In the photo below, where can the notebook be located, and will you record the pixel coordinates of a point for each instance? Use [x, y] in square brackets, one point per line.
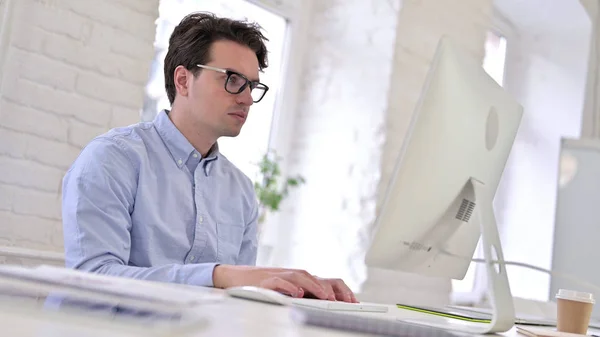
[477, 315]
[483, 315]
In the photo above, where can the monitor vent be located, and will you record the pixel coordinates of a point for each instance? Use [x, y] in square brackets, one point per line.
[465, 211]
[416, 246]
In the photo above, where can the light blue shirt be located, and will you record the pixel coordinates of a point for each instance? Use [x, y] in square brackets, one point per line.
[141, 202]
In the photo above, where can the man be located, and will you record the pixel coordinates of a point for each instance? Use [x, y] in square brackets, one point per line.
[157, 201]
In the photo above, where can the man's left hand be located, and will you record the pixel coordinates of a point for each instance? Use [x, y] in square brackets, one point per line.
[339, 289]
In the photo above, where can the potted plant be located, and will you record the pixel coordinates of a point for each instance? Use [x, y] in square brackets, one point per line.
[269, 187]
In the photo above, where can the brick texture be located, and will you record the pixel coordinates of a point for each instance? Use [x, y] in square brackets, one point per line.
[337, 137]
[420, 26]
[363, 77]
[74, 69]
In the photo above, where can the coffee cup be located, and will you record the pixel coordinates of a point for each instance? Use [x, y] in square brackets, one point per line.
[574, 311]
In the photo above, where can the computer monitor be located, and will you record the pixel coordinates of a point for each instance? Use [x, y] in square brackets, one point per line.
[439, 200]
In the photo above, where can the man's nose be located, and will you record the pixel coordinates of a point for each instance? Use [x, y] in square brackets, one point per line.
[245, 97]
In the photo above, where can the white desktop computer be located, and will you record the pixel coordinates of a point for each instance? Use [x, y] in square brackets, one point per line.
[439, 200]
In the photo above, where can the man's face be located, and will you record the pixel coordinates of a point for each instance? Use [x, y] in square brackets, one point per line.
[212, 108]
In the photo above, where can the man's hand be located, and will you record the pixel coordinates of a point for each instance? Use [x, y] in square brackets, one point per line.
[293, 282]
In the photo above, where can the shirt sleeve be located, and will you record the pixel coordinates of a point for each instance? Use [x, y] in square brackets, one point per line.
[98, 198]
[249, 248]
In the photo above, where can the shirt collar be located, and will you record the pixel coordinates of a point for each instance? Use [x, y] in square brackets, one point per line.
[179, 147]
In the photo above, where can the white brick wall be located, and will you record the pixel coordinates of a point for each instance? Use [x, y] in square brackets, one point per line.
[74, 69]
[336, 141]
[351, 124]
[420, 25]
[550, 83]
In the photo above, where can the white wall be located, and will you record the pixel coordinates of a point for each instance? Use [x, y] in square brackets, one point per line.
[546, 72]
[420, 25]
[74, 69]
[337, 136]
[577, 212]
[364, 71]
[590, 126]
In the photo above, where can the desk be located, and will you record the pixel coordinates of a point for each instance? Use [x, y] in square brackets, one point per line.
[229, 317]
[250, 316]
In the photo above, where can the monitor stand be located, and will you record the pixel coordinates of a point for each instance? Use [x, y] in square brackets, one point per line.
[503, 314]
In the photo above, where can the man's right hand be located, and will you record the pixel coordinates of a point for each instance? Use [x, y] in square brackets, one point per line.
[293, 282]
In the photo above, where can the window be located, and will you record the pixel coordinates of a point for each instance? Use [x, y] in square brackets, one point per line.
[495, 56]
[493, 63]
[246, 149]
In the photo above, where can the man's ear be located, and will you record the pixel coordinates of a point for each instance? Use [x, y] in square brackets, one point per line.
[181, 78]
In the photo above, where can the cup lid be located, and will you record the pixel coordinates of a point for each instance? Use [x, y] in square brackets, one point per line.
[575, 296]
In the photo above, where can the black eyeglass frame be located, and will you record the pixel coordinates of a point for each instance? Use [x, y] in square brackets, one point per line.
[252, 84]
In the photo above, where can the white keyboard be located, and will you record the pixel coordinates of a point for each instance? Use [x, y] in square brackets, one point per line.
[337, 306]
[370, 324]
[271, 296]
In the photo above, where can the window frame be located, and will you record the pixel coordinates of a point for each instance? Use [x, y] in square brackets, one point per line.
[275, 239]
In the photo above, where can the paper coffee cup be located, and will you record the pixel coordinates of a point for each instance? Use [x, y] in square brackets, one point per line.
[574, 311]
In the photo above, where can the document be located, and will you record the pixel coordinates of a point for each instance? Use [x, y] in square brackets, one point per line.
[152, 292]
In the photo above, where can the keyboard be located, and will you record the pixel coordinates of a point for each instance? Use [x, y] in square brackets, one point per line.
[337, 306]
[370, 324]
[274, 297]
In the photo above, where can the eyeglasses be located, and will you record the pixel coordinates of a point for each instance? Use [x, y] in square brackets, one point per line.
[236, 83]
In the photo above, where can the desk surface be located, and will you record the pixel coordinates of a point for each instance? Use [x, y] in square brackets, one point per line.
[228, 317]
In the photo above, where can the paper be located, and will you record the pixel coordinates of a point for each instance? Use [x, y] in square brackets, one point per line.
[545, 332]
[143, 290]
[26, 293]
[152, 292]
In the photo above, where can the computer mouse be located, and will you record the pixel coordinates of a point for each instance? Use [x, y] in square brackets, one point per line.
[258, 294]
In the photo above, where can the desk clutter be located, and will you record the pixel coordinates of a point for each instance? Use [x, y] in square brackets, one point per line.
[545, 332]
[148, 308]
[574, 311]
[65, 298]
[366, 324]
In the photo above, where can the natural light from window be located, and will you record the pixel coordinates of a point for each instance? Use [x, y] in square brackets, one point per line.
[246, 149]
[495, 56]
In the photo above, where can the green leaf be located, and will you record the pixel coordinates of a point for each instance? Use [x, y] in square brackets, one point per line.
[267, 185]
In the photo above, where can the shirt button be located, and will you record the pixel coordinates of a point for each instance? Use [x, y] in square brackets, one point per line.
[191, 259]
[179, 161]
[200, 219]
[195, 155]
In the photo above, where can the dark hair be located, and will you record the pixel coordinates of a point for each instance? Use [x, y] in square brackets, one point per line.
[193, 37]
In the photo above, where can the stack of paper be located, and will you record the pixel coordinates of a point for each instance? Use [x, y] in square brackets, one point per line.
[50, 290]
[72, 281]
